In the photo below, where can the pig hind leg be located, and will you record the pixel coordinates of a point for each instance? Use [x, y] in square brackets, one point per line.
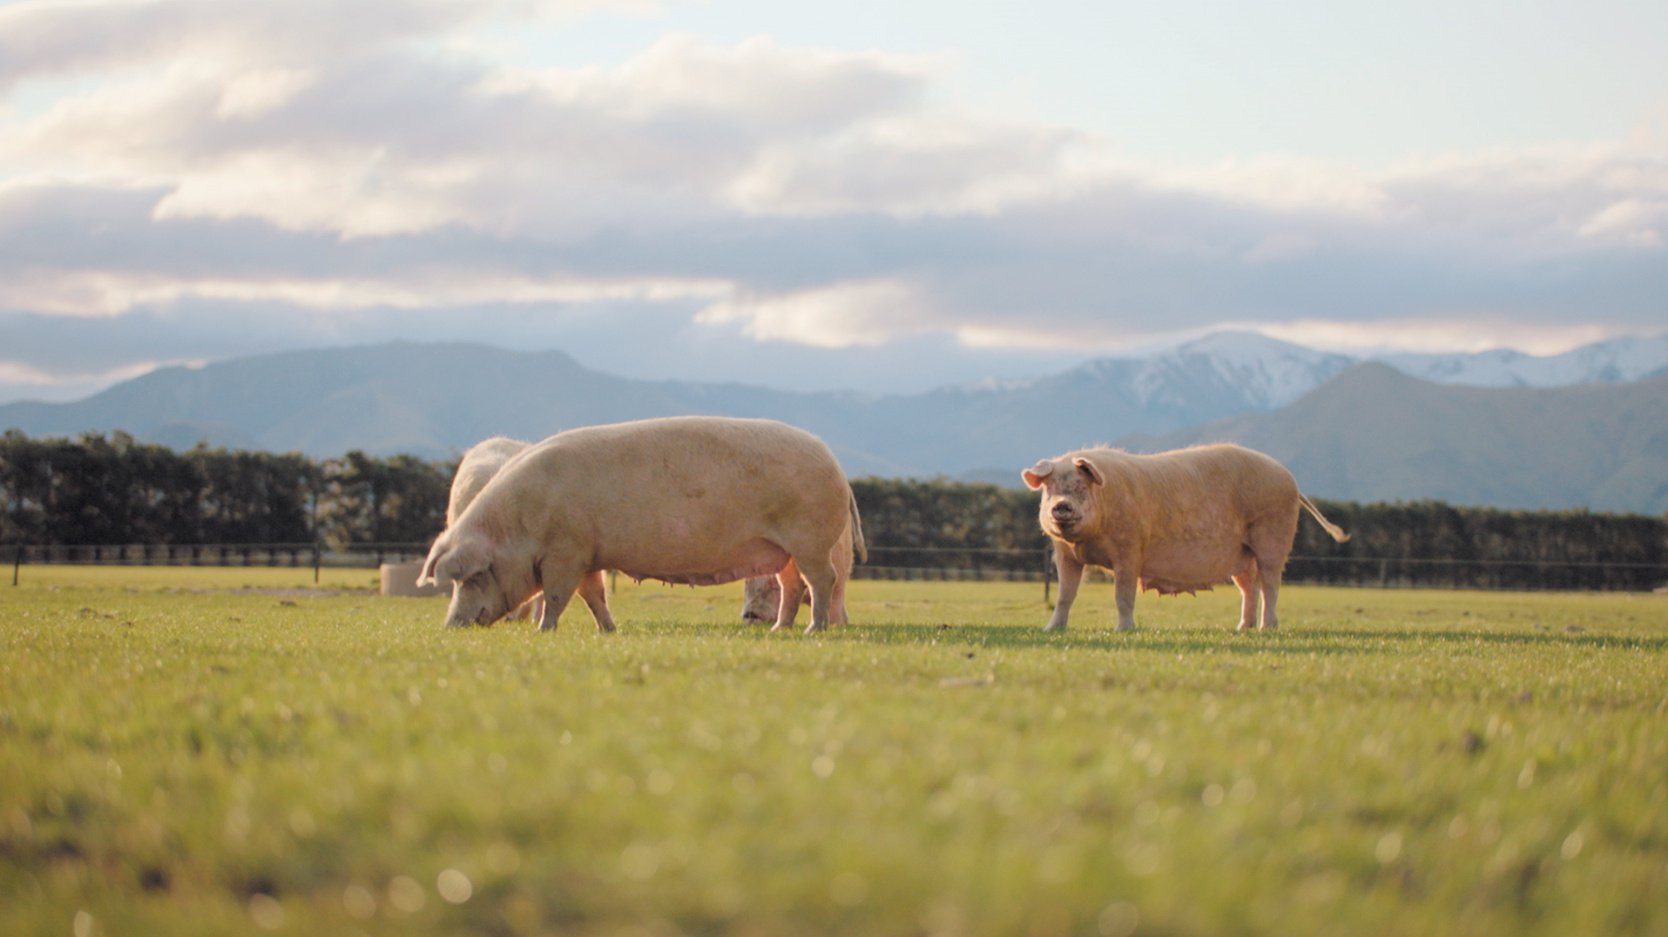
[1271, 594]
[1271, 542]
[837, 604]
[841, 558]
[806, 570]
[594, 590]
[792, 590]
[819, 573]
[1250, 587]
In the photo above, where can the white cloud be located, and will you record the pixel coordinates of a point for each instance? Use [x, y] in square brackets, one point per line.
[254, 93]
[298, 156]
[103, 294]
[1635, 221]
[346, 193]
[1463, 334]
[848, 314]
[1282, 184]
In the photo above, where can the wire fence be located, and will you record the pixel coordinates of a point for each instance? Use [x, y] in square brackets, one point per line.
[900, 563]
[314, 556]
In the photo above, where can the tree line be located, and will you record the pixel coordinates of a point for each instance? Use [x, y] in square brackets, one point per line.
[96, 489]
[110, 490]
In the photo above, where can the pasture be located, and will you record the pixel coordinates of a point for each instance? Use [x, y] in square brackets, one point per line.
[205, 752]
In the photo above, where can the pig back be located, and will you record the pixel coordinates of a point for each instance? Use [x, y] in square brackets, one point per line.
[684, 498]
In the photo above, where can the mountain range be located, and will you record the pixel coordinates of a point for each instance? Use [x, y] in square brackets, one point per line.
[1588, 429]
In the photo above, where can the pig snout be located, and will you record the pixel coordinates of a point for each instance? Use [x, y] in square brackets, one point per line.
[1064, 515]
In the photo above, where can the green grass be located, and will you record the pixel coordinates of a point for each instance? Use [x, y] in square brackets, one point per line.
[226, 751]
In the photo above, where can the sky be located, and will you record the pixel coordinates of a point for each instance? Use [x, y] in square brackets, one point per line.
[876, 196]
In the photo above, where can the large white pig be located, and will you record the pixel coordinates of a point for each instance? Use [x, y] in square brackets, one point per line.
[697, 500]
[1176, 521]
[476, 468]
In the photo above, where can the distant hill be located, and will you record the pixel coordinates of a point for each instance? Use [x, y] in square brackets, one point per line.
[435, 400]
[1375, 434]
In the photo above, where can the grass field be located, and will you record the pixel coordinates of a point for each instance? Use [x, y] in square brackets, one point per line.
[237, 751]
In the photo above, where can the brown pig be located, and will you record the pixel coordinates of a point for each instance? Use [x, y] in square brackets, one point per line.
[1176, 521]
[696, 500]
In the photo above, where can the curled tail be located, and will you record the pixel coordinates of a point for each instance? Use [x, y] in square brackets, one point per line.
[857, 541]
[1334, 530]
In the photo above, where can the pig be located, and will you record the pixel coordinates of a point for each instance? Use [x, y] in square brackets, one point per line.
[762, 595]
[696, 500]
[1176, 521]
[475, 469]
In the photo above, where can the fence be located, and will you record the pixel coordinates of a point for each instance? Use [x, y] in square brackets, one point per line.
[314, 556]
[954, 564]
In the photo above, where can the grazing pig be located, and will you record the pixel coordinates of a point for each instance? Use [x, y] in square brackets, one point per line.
[762, 595]
[476, 468]
[696, 500]
[1177, 521]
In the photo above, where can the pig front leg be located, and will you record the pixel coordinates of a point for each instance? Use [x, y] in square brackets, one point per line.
[1071, 576]
[1126, 584]
[559, 586]
[553, 605]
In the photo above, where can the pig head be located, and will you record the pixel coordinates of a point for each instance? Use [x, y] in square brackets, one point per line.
[487, 583]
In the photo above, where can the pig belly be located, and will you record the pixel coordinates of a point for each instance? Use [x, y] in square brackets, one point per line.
[1193, 566]
[754, 558]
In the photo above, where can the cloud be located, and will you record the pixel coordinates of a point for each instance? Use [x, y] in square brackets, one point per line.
[315, 175]
[47, 39]
[839, 316]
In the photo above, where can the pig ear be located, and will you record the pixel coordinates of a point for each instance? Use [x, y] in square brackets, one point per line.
[1035, 474]
[426, 576]
[1090, 471]
[453, 562]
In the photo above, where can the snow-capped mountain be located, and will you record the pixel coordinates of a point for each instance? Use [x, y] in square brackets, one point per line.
[1267, 373]
[1617, 361]
[1252, 372]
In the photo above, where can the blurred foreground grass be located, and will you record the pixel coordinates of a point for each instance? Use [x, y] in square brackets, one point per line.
[240, 751]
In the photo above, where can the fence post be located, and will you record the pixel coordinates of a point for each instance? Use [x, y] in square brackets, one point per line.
[318, 559]
[1048, 570]
[17, 561]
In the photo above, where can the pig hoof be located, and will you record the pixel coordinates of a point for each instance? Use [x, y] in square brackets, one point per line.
[1245, 626]
[1126, 627]
[813, 628]
[1053, 627]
